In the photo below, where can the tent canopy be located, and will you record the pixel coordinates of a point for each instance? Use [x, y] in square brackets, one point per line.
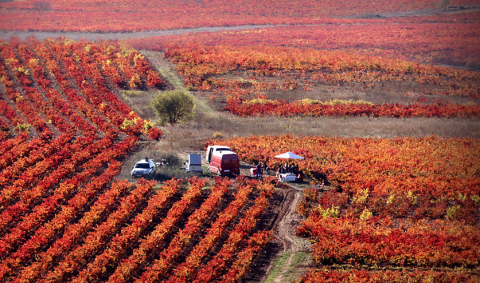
[289, 155]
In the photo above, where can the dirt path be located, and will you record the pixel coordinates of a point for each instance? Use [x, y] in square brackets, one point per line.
[110, 36]
[107, 36]
[285, 235]
[292, 258]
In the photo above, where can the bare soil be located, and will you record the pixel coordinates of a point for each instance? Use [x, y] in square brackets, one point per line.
[285, 233]
[94, 36]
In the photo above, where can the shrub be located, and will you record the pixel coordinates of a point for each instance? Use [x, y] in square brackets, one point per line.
[173, 106]
[23, 127]
[262, 101]
[218, 135]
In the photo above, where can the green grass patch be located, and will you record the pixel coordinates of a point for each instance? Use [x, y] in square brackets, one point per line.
[165, 70]
[278, 265]
[292, 271]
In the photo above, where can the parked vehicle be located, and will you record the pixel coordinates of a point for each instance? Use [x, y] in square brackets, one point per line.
[194, 163]
[214, 148]
[224, 162]
[144, 168]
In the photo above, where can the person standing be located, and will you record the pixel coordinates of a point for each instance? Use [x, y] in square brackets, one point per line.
[259, 169]
[265, 168]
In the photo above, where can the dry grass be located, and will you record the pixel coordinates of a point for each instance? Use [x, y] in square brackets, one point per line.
[391, 92]
[210, 119]
[139, 101]
[230, 126]
[402, 92]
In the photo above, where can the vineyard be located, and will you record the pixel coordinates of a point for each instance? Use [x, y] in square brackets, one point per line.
[450, 39]
[63, 213]
[128, 16]
[118, 237]
[288, 71]
[375, 204]
[252, 78]
[379, 211]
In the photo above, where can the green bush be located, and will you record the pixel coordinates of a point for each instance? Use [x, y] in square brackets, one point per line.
[174, 106]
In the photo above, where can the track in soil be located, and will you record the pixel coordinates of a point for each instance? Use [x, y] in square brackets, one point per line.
[285, 243]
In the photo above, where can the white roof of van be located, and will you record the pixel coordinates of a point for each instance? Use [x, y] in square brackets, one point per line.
[224, 152]
[216, 147]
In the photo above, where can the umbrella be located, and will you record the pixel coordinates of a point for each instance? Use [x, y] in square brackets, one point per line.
[289, 155]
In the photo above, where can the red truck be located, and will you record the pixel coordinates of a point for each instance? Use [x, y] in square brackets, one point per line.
[224, 162]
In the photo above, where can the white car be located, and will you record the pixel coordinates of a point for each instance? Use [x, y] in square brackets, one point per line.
[144, 168]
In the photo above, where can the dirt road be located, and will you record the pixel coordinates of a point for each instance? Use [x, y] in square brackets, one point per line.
[110, 36]
[294, 248]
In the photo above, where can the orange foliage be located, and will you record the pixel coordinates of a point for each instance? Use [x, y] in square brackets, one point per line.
[384, 203]
[452, 43]
[128, 16]
[204, 68]
[434, 169]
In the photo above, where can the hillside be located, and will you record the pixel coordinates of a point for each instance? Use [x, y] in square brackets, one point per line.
[381, 99]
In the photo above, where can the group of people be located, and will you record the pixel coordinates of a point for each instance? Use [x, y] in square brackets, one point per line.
[287, 168]
[291, 169]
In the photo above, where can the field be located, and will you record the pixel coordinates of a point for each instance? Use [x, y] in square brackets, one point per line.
[379, 208]
[129, 16]
[58, 178]
[381, 99]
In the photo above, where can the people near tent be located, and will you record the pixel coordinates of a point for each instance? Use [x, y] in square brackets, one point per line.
[289, 172]
[265, 167]
[299, 175]
[295, 169]
[259, 169]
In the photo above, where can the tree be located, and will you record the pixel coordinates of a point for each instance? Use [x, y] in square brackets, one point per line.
[173, 106]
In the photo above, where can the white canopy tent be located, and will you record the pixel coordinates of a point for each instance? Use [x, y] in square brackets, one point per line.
[287, 176]
[289, 155]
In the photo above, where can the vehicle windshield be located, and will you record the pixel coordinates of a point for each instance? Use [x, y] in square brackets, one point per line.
[142, 165]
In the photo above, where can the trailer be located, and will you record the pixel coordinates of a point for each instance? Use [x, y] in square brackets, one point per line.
[194, 163]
